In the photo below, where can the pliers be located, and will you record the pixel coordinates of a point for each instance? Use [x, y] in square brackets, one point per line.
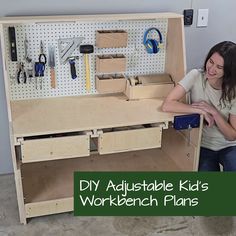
[21, 70]
[42, 56]
[40, 65]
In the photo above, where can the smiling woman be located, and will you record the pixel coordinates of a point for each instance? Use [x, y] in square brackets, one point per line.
[213, 94]
[215, 70]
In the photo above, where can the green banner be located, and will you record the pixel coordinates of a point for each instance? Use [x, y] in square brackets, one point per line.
[154, 193]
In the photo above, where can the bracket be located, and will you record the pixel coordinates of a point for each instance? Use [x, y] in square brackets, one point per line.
[19, 141]
[96, 133]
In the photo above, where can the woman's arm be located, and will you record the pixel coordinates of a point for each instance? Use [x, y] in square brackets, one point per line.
[172, 104]
[227, 128]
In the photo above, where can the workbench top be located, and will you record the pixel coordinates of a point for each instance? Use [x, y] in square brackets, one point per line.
[71, 114]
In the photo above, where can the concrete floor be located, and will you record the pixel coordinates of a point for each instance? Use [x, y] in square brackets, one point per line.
[66, 224]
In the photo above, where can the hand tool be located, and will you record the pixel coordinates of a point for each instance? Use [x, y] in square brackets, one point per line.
[66, 47]
[26, 45]
[72, 68]
[30, 71]
[39, 68]
[12, 40]
[51, 63]
[86, 49]
[21, 70]
[42, 56]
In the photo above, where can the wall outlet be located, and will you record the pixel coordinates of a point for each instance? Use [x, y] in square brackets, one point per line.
[202, 18]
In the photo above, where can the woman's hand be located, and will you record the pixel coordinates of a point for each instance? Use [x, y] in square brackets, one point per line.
[208, 111]
[209, 119]
[205, 107]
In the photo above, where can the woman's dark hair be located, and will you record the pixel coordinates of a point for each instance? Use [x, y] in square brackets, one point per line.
[227, 50]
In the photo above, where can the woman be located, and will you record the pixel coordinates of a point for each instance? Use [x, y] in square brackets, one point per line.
[213, 94]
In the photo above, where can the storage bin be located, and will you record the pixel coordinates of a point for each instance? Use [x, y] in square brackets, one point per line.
[111, 38]
[110, 83]
[110, 63]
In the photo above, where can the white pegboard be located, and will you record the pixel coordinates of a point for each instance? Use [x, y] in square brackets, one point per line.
[138, 61]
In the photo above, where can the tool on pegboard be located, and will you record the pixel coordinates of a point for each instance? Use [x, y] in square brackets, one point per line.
[39, 67]
[87, 49]
[26, 46]
[66, 47]
[29, 62]
[51, 64]
[21, 74]
[12, 41]
[42, 55]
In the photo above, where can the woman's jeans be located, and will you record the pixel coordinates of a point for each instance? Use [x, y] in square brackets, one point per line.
[211, 160]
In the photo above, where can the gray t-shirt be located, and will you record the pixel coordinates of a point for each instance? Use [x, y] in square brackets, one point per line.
[199, 88]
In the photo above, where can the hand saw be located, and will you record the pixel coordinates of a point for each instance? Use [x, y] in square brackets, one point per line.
[67, 46]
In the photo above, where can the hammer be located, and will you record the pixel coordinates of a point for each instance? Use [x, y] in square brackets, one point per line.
[86, 49]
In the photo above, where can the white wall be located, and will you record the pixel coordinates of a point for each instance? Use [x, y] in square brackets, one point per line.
[198, 40]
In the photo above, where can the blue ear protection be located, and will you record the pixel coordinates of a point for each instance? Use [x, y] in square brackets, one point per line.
[152, 45]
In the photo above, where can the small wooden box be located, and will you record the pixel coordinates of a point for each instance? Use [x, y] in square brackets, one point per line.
[110, 63]
[149, 86]
[111, 38]
[110, 83]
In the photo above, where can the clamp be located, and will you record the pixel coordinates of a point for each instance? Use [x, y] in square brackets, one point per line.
[21, 70]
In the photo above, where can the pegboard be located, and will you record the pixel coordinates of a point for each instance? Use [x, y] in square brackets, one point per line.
[138, 60]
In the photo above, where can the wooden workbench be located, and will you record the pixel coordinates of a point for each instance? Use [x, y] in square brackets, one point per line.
[55, 132]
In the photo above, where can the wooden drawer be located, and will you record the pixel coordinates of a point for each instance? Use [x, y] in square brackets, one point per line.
[129, 140]
[54, 148]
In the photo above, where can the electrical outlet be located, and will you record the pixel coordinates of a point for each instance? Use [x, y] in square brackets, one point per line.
[202, 19]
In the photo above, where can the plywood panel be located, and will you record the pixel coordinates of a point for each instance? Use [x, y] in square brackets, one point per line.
[68, 114]
[49, 207]
[37, 19]
[179, 149]
[129, 140]
[175, 51]
[55, 148]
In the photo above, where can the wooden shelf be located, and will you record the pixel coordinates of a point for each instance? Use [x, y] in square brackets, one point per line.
[50, 180]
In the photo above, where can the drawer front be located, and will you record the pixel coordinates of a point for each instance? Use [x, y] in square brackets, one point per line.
[55, 148]
[129, 140]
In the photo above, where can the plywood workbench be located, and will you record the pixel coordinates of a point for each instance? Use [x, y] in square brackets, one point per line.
[53, 136]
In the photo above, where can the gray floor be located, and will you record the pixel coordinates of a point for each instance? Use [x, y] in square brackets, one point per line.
[66, 224]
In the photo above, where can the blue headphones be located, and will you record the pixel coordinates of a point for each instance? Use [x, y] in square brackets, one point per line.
[152, 45]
